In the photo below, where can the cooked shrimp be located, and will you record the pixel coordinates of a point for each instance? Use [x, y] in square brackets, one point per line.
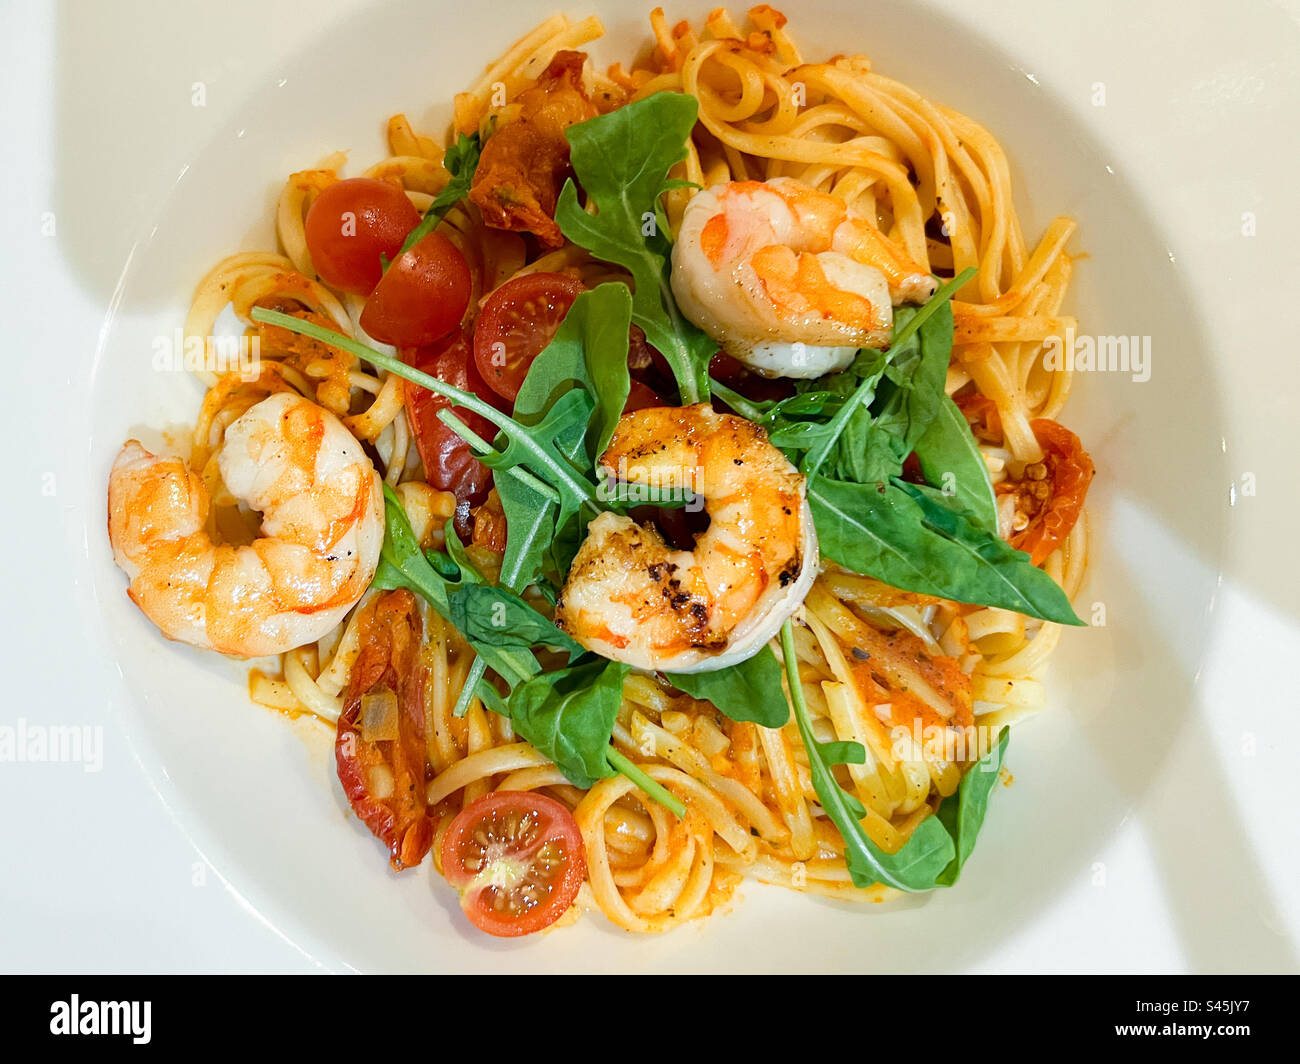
[322, 513]
[787, 279]
[633, 598]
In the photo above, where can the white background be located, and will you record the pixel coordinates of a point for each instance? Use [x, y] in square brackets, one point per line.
[94, 872]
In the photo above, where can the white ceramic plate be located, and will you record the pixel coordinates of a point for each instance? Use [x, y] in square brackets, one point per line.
[258, 795]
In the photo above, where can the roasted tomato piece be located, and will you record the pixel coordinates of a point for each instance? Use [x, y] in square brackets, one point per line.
[1050, 494]
[490, 525]
[380, 748]
[526, 160]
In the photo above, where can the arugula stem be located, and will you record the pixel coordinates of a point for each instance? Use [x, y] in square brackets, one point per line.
[791, 665]
[477, 669]
[510, 579]
[458, 397]
[448, 418]
[865, 392]
[932, 304]
[655, 790]
[432, 219]
[742, 406]
[858, 849]
[450, 194]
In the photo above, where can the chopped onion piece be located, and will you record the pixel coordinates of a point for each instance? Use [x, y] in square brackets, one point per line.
[379, 716]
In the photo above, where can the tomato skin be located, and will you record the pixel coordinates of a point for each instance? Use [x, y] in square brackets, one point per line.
[388, 659]
[351, 224]
[516, 323]
[1068, 472]
[554, 835]
[1053, 499]
[449, 462]
[642, 397]
[421, 297]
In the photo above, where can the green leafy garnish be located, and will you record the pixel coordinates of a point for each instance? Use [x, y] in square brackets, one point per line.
[915, 371]
[747, 691]
[951, 461]
[488, 613]
[568, 715]
[963, 813]
[897, 534]
[905, 399]
[461, 159]
[928, 851]
[622, 160]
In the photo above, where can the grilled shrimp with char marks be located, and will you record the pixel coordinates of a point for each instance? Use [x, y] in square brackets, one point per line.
[789, 280]
[322, 511]
[633, 598]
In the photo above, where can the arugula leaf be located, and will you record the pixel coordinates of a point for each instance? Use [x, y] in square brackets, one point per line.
[896, 534]
[903, 410]
[493, 614]
[403, 564]
[948, 450]
[587, 355]
[560, 433]
[928, 851]
[568, 715]
[622, 160]
[603, 325]
[748, 691]
[962, 813]
[461, 159]
[875, 442]
[530, 527]
[620, 495]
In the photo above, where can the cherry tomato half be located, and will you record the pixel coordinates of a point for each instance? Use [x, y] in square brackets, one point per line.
[351, 224]
[516, 323]
[1051, 492]
[449, 462]
[517, 859]
[421, 297]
